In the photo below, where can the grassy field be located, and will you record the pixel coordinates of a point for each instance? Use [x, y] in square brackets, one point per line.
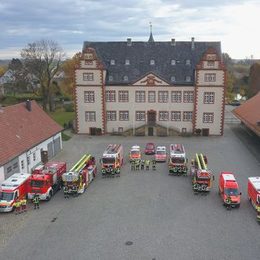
[62, 117]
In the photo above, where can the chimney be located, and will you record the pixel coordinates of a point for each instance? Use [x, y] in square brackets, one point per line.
[28, 105]
[173, 43]
[192, 43]
[129, 42]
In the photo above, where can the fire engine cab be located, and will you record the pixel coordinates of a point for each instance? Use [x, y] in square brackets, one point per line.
[253, 191]
[76, 180]
[112, 160]
[12, 189]
[228, 188]
[46, 180]
[177, 160]
[202, 177]
[135, 153]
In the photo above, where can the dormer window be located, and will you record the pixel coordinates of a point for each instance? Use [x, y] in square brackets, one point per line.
[187, 62]
[110, 78]
[152, 62]
[172, 78]
[127, 62]
[173, 62]
[188, 78]
[112, 62]
[125, 78]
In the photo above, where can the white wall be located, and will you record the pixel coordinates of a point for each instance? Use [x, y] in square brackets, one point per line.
[23, 157]
[82, 107]
[132, 107]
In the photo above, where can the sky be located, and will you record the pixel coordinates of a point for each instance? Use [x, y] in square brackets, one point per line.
[71, 22]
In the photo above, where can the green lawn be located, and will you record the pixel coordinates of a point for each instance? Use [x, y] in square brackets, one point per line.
[62, 117]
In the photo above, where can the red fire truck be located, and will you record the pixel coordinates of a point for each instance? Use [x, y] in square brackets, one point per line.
[253, 191]
[202, 177]
[177, 160]
[46, 180]
[77, 179]
[12, 189]
[112, 160]
[228, 188]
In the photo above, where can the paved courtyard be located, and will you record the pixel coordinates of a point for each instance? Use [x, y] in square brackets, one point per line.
[145, 214]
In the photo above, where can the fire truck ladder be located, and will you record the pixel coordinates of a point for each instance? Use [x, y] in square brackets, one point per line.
[81, 163]
[112, 148]
[201, 162]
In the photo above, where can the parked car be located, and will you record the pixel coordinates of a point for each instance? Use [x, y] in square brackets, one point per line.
[149, 148]
[235, 103]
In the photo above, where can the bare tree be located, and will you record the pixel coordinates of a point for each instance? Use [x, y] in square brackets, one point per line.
[43, 59]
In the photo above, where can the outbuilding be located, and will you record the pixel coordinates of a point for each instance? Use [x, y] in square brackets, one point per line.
[28, 135]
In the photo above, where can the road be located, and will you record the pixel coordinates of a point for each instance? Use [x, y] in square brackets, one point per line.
[141, 215]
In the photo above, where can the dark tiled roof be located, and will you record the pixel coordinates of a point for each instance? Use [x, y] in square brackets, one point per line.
[249, 113]
[140, 53]
[22, 129]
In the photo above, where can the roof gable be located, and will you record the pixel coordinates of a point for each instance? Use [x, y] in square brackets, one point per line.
[151, 80]
[22, 129]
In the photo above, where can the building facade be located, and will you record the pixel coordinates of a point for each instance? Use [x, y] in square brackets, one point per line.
[150, 88]
[28, 136]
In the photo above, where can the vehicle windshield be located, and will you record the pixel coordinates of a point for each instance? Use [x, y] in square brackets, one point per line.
[177, 160]
[149, 146]
[231, 192]
[37, 184]
[135, 152]
[108, 160]
[161, 152]
[8, 196]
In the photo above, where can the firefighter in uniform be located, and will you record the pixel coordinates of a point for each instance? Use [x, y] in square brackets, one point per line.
[132, 165]
[66, 192]
[17, 206]
[36, 201]
[154, 164]
[147, 164]
[24, 205]
[228, 202]
[137, 165]
[142, 164]
[258, 215]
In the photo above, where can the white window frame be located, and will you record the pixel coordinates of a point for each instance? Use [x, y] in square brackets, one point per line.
[88, 76]
[176, 116]
[210, 77]
[123, 115]
[163, 116]
[140, 96]
[140, 116]
[163, 96]
[110, 96]
[208, 117]
[187, 116]
[90, 116]
[89, 96]
[176, 96]
[111, 115]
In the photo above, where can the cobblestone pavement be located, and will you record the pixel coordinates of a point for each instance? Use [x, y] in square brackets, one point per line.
[141, 215]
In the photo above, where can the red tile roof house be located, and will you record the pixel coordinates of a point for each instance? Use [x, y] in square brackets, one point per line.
[249, 113]
[27, 136]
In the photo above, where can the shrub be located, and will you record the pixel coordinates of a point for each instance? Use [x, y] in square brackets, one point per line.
[69, 107]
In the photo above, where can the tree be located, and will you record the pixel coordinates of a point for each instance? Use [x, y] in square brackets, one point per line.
[69, 70]
[254, 79]
[43, 59]
[19, 82]
[3, 69]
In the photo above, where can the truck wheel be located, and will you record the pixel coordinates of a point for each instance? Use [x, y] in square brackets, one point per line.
[49, 196]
